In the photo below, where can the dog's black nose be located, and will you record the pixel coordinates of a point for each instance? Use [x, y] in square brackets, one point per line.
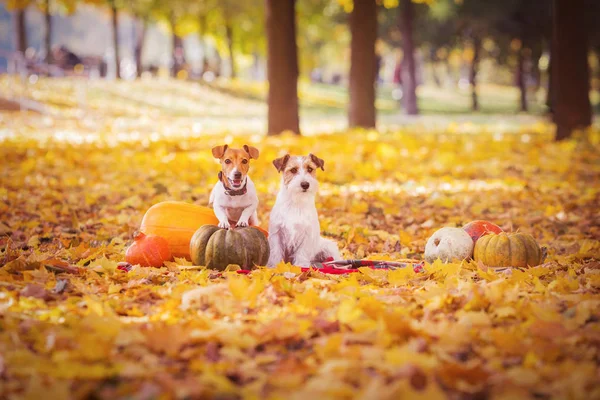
[305, 185]
[237, 175]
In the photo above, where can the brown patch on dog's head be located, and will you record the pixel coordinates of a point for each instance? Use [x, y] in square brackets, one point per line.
[280, 163]
[218, 151]
[291, 169]
[318, 161]
[252, 151]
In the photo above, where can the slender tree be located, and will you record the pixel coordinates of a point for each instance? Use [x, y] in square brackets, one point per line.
[140, 37]
[570, 69]
[476, 43]
[48, 32]
[177, 45]
[142, 11]
[229, 35]
[409, 81]
[114, 13]
[282, 66]
[521, 59]
[363, 27]
[21, 30]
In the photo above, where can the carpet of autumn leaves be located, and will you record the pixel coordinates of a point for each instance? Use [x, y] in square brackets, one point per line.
[73, 326]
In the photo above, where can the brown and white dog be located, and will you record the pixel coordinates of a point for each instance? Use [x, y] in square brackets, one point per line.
[234, 198]
[294, 229]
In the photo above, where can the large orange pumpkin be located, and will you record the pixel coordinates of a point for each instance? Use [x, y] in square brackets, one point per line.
[176, 221]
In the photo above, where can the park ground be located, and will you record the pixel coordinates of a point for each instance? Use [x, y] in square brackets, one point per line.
[80, 170]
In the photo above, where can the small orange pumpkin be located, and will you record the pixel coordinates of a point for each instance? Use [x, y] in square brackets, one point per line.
[148, 251]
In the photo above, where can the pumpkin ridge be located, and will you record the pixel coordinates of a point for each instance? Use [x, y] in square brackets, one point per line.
[484, 254]
[518, 242]
[536, 250]
[526, 247]
[500, 259]
[235, 242]
[219, 255]
[480, 245]
[255, 254]
[538, 253]
[509, 256]
[198, 243]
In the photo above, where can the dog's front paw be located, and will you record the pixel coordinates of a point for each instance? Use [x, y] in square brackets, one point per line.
[242, 224]
[224, 225]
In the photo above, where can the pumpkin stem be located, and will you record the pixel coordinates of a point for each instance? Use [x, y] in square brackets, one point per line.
[137, 235]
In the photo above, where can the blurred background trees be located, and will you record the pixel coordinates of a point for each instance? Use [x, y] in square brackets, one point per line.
[370, 49]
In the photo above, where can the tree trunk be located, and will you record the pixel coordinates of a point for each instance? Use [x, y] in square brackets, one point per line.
[177, 50]
[115, 27]
[229, 34]
[409, 85]
[521, 78]
[21, 31]
[473, 72]
[598, 69]
[282, 66]
[550, 84]
[48, 33]
[363, 65]
[139, 45]
[570, 97]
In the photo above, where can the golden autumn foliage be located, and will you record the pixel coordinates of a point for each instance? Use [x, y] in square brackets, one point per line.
[72, 325]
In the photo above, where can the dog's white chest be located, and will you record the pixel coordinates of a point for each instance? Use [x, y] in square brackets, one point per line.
[297, 225]
[242, 201]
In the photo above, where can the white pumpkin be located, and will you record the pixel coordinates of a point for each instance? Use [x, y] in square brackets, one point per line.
[449, 244]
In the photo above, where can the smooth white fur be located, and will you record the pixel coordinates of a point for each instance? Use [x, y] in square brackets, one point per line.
[235, 208]
[294, 229]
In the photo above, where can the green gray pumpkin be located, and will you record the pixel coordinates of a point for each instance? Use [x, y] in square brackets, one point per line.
[216, 248]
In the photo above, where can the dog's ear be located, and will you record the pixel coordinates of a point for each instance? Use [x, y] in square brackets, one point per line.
[280, 163]
[252, 151]
[318, 161]
[218, 151]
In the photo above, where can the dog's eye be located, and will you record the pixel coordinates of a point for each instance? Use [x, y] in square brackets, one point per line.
[294, 170]
[228, 161]
[244, 161]
[309, 169]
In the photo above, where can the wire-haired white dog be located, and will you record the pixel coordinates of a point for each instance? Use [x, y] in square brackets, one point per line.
[294, 230]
